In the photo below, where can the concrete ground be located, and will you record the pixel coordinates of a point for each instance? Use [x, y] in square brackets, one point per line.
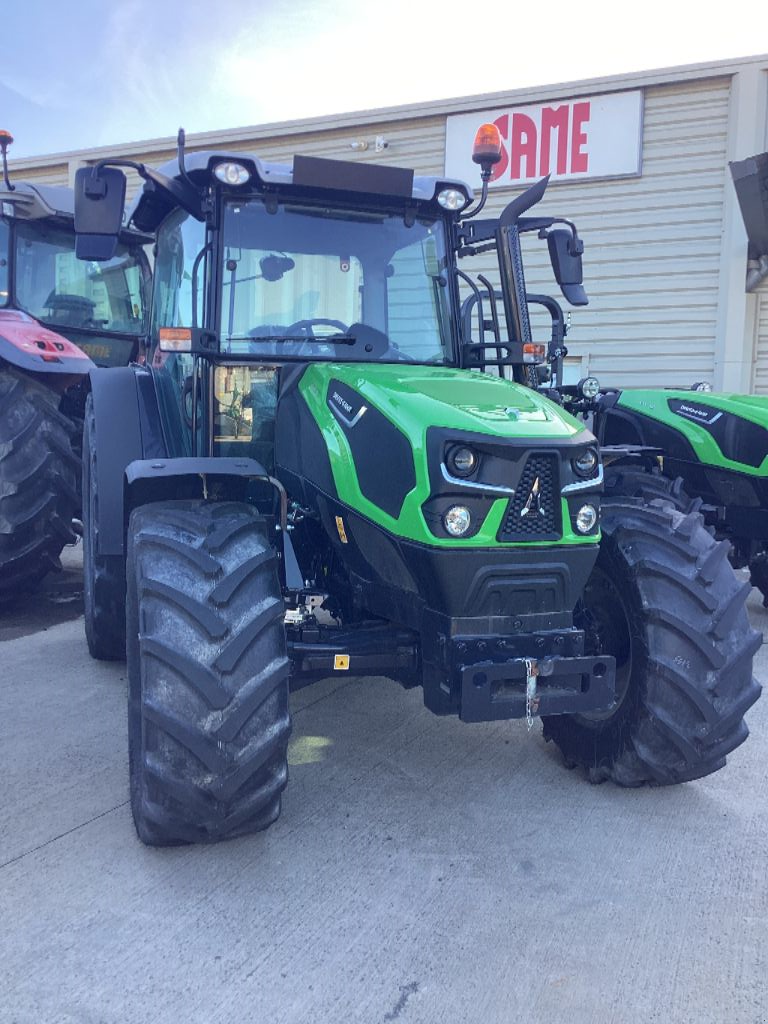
[422, 871]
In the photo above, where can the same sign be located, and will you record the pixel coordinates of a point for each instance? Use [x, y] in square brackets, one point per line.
[591, 137]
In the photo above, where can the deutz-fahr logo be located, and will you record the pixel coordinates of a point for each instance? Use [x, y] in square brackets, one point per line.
[698, 413]
[342, 402]
[533, 504]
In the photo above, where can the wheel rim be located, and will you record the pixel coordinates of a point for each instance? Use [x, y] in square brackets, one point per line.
[603, 615]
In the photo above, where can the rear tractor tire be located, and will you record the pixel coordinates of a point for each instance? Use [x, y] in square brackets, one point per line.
[208, 720]
[664, 600]
[650, 485]
[39, 481]
[631, 480]
[103, 575]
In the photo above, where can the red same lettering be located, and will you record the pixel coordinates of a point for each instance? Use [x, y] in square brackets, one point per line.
[523, 146]
[554, 118]
[502, 123]
[579, 158]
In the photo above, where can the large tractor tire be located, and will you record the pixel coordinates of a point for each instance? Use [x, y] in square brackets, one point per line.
[208, 720]
[630, 480]
[634, 481]
[664, 600]
[39, 482]
[103, 575]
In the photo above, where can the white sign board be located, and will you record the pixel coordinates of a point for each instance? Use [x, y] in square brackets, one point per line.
[591, 137]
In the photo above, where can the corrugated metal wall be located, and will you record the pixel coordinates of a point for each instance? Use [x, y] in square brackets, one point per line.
[760, 365]
[652, 247]
[652, 242]
[419, 143]
[53, 174]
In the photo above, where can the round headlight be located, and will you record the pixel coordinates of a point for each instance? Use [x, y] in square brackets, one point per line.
[586, 518]
[451, 199]
[589, 387]
[456, 520]
[462, 461]
[232, 173]
[586, 463]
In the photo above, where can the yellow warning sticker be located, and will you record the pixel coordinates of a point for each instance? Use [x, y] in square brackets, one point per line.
[342, 531]
[341, 662]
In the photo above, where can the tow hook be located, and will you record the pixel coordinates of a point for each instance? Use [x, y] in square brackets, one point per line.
[531, 697]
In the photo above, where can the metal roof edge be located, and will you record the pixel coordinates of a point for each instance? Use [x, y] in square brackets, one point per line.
[357, 119]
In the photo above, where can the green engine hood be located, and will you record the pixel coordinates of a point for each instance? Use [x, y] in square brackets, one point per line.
[727, 431]
[415, 399]
[418, 397]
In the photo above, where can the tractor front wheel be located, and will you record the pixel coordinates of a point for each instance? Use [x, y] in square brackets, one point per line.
[664, 600]
[208, 721]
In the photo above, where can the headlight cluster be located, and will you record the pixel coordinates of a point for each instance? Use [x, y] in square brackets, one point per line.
[457, 520]
[231, 173]
[585, 464]
[586, 518]
[461, 461]
[451, 199]
[589, 387]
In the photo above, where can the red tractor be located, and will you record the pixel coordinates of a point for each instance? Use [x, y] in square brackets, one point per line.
[59, 318]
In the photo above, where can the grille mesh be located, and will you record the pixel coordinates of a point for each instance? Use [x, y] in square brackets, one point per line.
[534, 512]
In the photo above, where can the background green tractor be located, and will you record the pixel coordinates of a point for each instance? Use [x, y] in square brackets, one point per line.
[711, 448]
[311, 476]
[59, 317]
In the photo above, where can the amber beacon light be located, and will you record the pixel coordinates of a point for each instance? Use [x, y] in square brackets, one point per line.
[486, 150]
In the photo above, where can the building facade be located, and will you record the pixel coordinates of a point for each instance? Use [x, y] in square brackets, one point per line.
[638, 161]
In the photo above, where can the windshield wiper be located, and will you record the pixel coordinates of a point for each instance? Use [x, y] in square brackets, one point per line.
[332, 339]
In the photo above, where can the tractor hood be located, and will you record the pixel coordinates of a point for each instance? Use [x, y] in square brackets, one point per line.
[415, 398]
[373, 438]
[728, 431]
[26, 344]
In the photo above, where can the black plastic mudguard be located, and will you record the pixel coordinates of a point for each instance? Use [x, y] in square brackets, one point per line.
[118, 443]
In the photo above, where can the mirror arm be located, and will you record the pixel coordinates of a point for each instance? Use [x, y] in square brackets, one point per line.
[577, 242]
[186, 196]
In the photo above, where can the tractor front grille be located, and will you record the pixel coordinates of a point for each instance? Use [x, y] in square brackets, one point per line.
[534, 512]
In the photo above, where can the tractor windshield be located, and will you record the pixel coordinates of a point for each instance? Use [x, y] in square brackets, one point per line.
[68, 294]
[323, 283]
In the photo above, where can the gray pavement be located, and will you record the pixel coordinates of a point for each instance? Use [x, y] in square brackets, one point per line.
[422, 870]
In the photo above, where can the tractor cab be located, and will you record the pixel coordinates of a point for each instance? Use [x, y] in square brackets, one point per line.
[99, 307]
[59, 318]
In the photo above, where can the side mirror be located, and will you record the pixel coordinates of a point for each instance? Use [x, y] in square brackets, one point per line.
[750, 178]
[565, 249]
[99, 205]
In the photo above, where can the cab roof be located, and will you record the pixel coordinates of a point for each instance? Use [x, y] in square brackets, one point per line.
[151, 206]
[33, 201]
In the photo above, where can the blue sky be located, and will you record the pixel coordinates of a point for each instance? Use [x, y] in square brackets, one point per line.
[86, 73]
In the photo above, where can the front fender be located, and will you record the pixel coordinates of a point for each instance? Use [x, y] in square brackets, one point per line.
[128, 428]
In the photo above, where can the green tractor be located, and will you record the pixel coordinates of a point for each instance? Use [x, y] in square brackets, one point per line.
[311, 476]
[712, 452]
[59, 317]
[704, 450]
